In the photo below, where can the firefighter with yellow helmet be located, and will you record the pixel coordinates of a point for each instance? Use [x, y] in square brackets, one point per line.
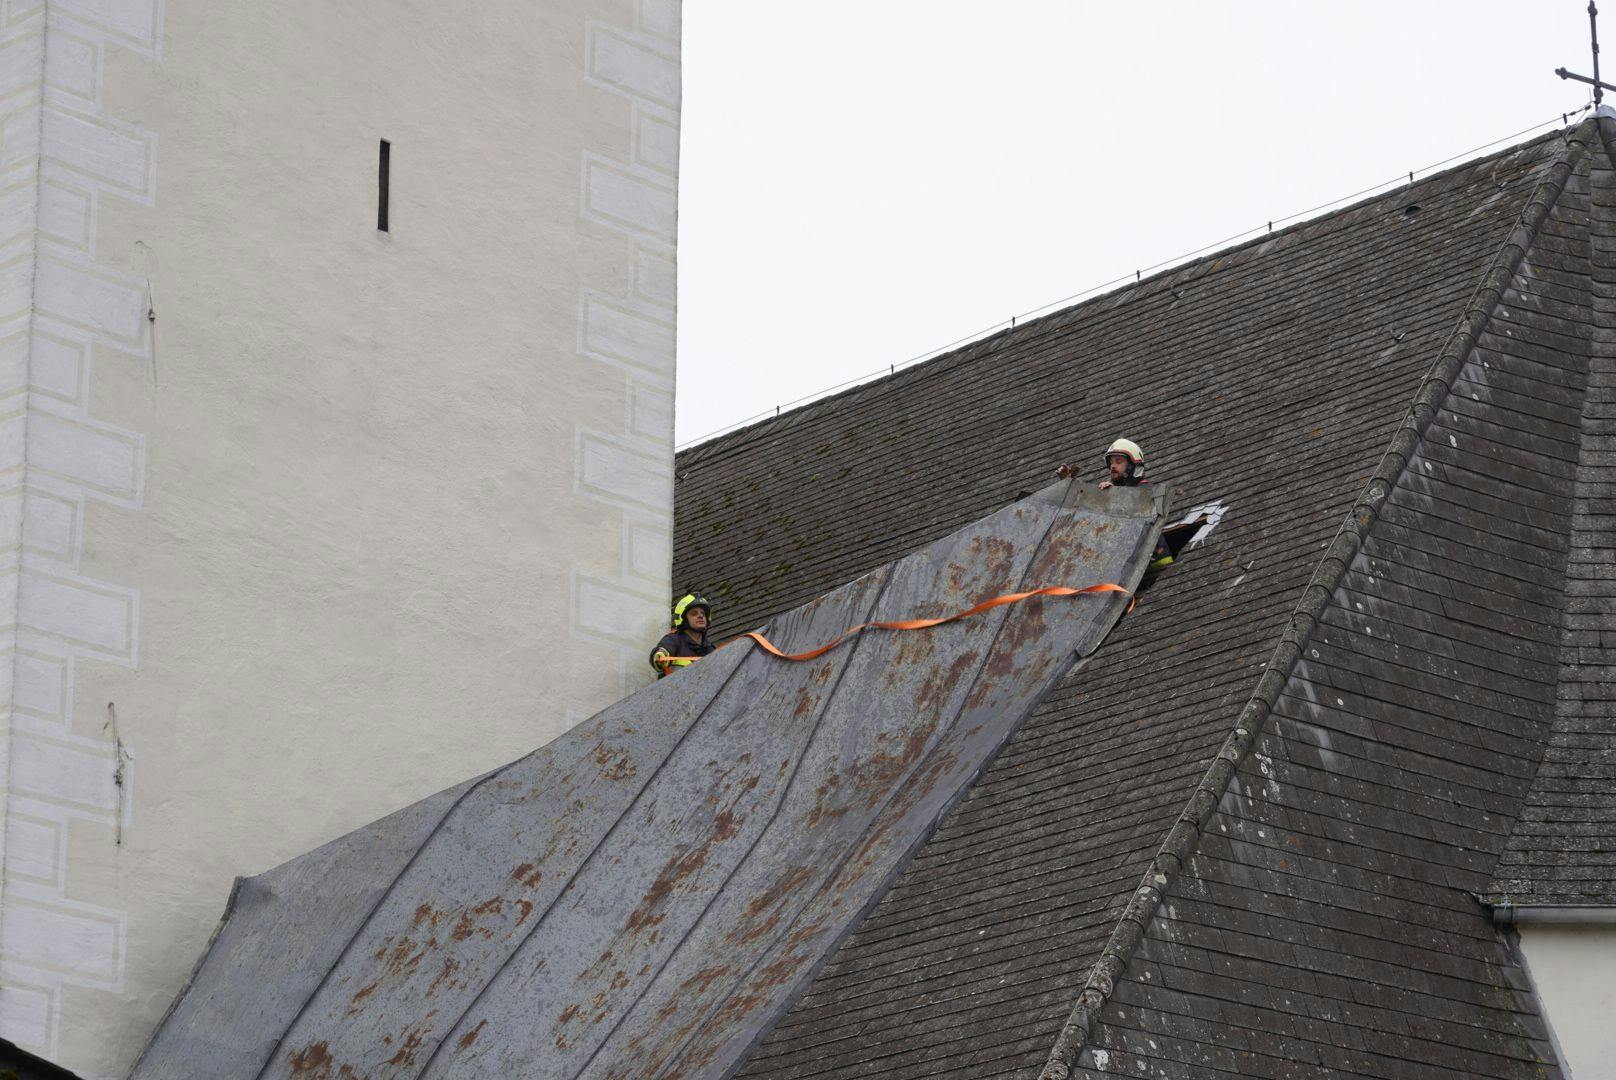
[687, 641]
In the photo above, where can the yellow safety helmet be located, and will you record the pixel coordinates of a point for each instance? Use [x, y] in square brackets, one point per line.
[1128, 449]
[685, 603]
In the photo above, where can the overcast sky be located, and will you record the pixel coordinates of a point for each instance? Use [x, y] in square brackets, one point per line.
[864, 182]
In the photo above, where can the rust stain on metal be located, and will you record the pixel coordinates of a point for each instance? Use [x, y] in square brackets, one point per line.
[874, 775]
[313, 1061]
[823, 808]
[468, 923]
[646, 894]
[913, 650]
[411, 1040]
[935, 691]
[771, 900]
[363, 993]
[450, 966]
[769, 978]
[705, 978]
[677, 869]
[997, 555]
[405, 957]
[615, 765]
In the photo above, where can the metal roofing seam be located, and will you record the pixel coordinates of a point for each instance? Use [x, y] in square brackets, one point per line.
[749, 811]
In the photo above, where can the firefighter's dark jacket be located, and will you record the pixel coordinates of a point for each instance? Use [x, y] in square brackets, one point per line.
[680, 644]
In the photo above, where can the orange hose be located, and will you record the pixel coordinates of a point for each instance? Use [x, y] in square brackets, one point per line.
[922, 624]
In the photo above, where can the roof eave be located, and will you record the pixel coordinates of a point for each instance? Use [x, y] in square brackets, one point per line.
[1507, 914]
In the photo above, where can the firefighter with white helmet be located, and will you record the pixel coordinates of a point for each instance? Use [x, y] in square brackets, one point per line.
[1125, 462]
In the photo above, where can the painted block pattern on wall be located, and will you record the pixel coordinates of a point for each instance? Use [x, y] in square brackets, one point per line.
[634, 195]
[64, 151]
[62, 308]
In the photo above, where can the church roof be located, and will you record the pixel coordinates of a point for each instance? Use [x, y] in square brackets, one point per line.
[1262, 831]
[1254, 837]
[646, 894]
[1562, 850]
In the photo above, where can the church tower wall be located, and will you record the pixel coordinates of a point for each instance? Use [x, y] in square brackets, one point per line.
[302, 519]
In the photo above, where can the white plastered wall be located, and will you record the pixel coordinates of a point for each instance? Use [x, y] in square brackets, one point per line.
[301, 521]
[1574, 970]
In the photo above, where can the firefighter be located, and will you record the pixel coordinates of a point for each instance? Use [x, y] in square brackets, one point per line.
[1125, 465]
[687, 641]
[1124, 461]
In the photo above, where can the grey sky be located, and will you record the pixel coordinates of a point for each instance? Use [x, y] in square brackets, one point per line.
[863, 182]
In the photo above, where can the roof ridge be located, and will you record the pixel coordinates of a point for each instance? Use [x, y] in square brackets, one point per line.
[1046, 319]
[1182, 838]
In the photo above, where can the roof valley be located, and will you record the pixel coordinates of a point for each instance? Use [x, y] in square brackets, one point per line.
[1164, 871]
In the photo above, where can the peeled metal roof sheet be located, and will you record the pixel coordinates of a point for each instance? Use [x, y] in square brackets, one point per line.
[645, 895]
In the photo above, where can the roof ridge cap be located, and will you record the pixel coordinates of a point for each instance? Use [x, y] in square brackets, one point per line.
[1182, 838]
[1168, 277]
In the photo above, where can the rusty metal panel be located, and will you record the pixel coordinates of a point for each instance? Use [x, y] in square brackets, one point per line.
[645, 895]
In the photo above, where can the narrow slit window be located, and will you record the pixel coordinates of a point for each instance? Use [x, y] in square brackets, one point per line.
[381, 185]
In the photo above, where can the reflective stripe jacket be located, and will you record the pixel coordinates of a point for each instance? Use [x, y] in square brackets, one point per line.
[678, 649]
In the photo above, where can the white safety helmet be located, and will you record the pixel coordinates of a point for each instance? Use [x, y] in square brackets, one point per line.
[1128, 449]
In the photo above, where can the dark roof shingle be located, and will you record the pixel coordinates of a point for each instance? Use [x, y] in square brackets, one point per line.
[1272, 377]
[1562, 851]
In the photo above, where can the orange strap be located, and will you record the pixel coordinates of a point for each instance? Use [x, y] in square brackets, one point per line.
[922, 624]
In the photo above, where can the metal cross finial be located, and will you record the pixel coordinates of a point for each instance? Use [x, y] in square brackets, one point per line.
[1593, 34]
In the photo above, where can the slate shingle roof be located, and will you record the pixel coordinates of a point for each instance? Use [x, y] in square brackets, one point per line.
[1320, 913]
[1563, 848]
